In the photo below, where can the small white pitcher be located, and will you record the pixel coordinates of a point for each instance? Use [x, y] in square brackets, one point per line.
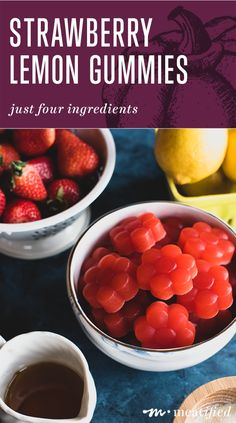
[34, 347]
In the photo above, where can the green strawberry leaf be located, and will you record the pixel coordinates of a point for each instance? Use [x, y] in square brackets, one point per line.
[17, 167]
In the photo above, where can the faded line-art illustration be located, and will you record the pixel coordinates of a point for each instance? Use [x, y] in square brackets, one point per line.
[209, 96]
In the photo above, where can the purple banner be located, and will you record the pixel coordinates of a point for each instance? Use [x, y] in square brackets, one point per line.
[98, 64]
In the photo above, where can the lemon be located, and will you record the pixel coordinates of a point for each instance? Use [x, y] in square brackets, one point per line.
[213, 184]
[229, 165]
[190, 155]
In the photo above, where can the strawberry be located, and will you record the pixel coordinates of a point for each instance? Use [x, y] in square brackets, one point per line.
[75, 157]
[7, 155]
[45, 167]
[21, 211]
[63, 193]
[26, 182]
[2, 202]
[33, 142]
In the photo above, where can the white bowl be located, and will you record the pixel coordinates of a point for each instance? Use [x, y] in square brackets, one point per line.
[132, 356]
[50, 236]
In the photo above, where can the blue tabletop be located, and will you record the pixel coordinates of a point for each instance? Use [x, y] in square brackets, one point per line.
[33, 297]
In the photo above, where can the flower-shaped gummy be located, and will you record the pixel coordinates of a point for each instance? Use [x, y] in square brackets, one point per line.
[110, 283]
[137, 234]
[205, 242]
[165, 326]
[211, 293]
[166, 272]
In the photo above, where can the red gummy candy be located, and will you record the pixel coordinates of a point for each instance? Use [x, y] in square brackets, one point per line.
[211, 291]
[165, 326]
[119, 324]
[203, 241]
[96, 255]
[166, 272]
[89, 262]
[110, 283]
[232, 276]
[97, 315]
[137, 234]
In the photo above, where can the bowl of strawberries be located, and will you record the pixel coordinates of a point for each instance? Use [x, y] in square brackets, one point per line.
[153, 285]
[48, 179]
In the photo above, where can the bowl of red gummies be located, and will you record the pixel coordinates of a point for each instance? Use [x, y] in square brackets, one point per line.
[153, 285]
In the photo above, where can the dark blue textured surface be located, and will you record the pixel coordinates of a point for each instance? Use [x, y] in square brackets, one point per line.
[33, 297]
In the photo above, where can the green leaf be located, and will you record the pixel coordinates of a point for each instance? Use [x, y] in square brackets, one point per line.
[17, 167]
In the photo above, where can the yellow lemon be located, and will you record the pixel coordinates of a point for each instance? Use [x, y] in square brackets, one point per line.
[213, 184]
[190, 155]
[229, 165]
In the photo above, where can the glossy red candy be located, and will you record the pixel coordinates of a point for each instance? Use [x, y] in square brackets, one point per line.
[232, 275]
[94, 258]
[89, 262]
[211, 291]
[164, 326]
[166, 272]
[97, 315]
[137, 234]
[205, 242]
[110, 283]
[119, 324]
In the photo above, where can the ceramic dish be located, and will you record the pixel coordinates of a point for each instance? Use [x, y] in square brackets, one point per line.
[222, 205]
[36, 347]
[137, 357]
[57, 233]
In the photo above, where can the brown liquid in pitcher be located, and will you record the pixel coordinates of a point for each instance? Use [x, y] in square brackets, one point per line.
[46, 390]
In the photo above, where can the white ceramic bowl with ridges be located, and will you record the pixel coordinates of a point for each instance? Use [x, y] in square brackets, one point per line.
[137, 357]
[55, 234]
